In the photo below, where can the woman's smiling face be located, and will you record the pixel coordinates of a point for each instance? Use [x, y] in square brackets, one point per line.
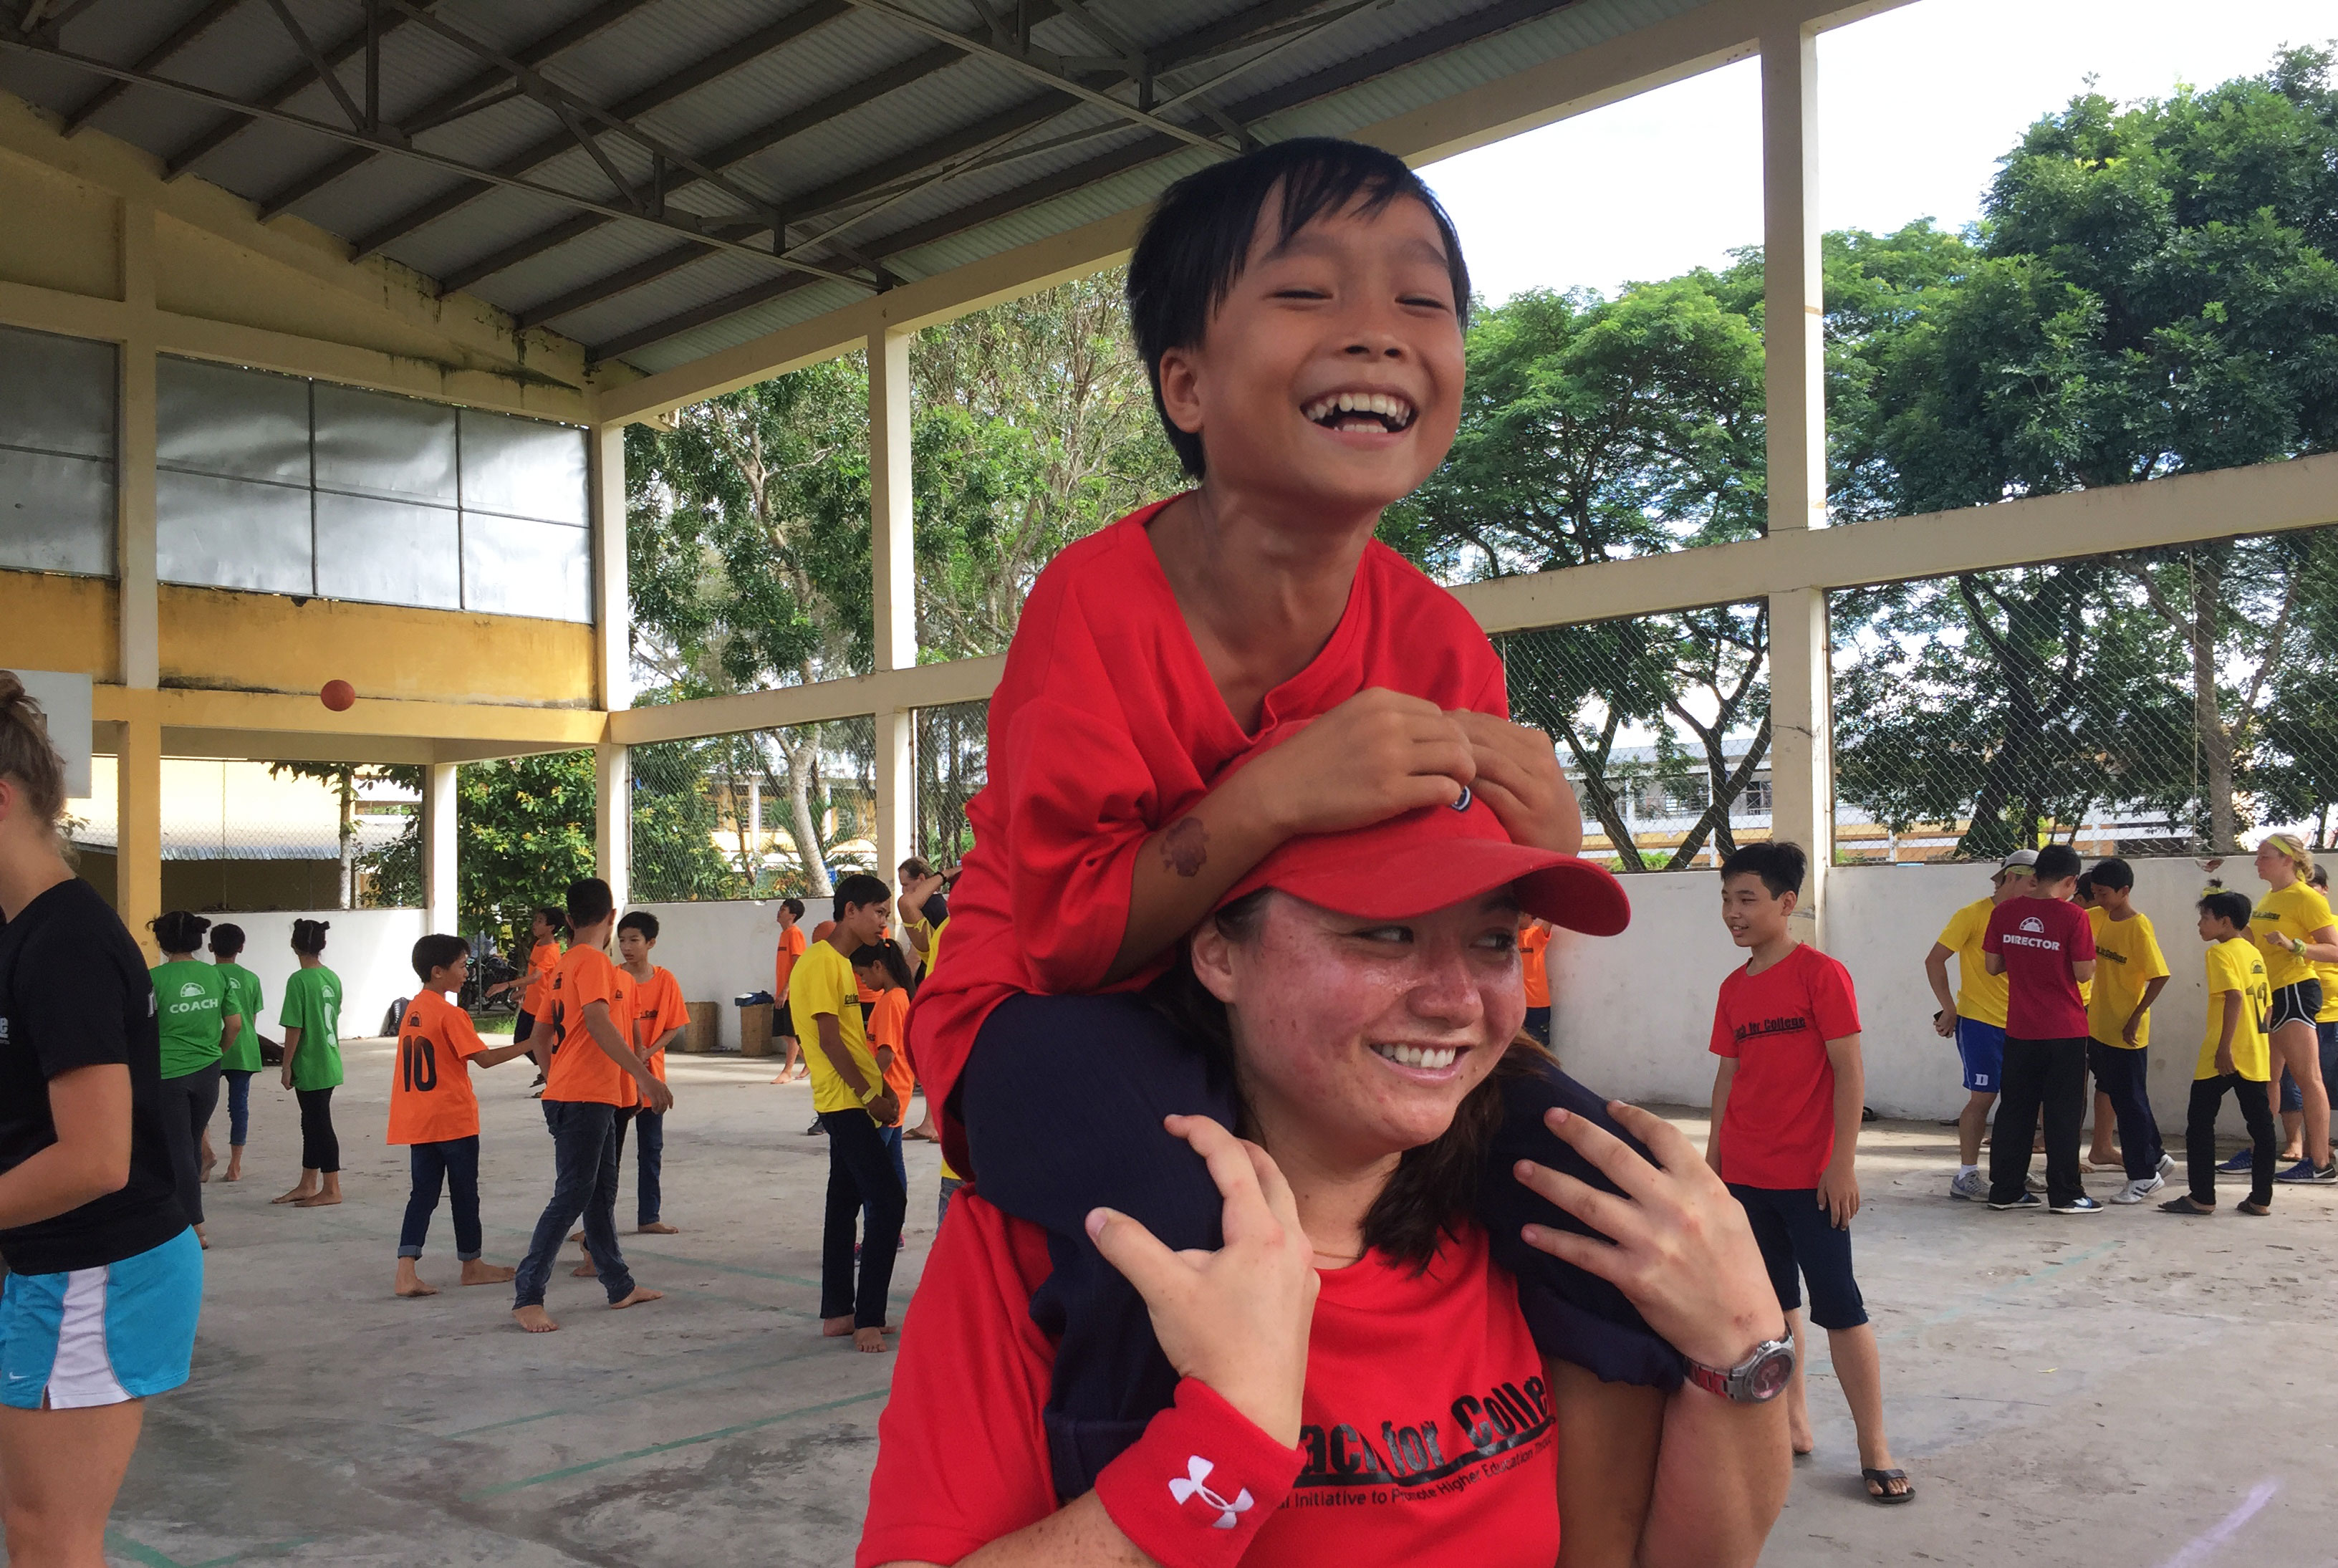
[1367, 1033]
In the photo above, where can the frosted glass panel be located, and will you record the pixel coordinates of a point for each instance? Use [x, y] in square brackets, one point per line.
[239, 424]
[388, 552]
[56, 393]
[378, 444]
[231, 533]
[56, 514]
[523, 467]
[512, 566]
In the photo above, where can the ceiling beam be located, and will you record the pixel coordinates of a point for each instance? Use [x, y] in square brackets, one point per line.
[615, 284]
[186, 33]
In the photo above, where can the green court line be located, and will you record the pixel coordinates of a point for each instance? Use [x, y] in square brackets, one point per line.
[122, 1545]
[270, 1549]
[764, 1365]
[484, 1492]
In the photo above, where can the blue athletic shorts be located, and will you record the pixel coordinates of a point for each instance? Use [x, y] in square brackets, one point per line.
[1797, 1238]
[101, 1336]
[1982, 1047]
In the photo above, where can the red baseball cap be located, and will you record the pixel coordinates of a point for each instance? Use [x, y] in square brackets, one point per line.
[1436, 856]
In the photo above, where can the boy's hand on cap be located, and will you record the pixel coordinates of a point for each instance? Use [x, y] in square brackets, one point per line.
[1518, 775]
[1378, 755]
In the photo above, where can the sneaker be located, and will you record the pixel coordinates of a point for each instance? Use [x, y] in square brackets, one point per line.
[815, 1130]
[2306, 1171]
[2081, 1204]
[2136, 1191]
[2166, 1162]
[2027, 1200]
[1972, 1187]
[2240, 1165]
[2034, 1184]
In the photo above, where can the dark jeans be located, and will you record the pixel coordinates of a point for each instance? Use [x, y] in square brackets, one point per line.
[320, 1148]
[2200, 1136]
[2040, 1075]
[455, 1163]
[2119, 1073]
[891, 1138]
[859, 1176]
[187, 1105]
[583, 1182]
[238, 1105]
[2326, 1038]
[1125, 1066]
[1539, 1025]
[649, 1162]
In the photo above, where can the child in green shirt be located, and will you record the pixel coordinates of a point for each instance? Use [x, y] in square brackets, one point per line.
[313, 1066]
[195, 1026]
[240, 1056]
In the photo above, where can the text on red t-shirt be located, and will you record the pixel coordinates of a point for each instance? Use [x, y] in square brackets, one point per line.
[2040, 939]
[1778, 1128]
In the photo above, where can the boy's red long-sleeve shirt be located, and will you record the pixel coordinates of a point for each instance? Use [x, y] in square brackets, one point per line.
[1104, 728]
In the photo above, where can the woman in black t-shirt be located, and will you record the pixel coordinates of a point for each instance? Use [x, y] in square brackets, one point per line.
[105, 1276]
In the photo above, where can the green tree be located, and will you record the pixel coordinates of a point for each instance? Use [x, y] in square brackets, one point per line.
[343, 779]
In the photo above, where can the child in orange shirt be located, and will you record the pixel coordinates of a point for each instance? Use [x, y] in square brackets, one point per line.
[660, 1016]
[883, 971]
[1534, 948]
[783, 965]
[433, 1109]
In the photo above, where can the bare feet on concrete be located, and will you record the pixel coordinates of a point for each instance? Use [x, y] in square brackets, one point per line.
[641, 1293]
[535, 1320]
[410, 1282]
[656, 1228]
[476, 1272]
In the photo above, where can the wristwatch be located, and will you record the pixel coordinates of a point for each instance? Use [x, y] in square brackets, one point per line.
[1762, 1377]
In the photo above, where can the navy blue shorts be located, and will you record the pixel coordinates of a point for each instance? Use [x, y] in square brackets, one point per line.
[1797, 1239]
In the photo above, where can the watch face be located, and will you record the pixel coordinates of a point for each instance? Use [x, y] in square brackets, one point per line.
[1769, 1375]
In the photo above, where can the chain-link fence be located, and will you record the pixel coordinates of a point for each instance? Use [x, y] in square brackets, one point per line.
[2159, 702]
[760, 814]
[953, 757]
[1662, 724]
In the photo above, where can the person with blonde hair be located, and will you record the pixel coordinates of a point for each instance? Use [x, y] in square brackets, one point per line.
[105, 1277]
[2293, 927]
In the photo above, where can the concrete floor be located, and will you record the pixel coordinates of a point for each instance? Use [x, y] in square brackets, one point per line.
[2125, 1391]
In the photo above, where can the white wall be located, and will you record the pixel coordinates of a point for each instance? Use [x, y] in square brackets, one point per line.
[371, 949]
[722, 950]
[1632, 1015]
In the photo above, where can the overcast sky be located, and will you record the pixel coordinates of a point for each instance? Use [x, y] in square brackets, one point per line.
[1916, 106]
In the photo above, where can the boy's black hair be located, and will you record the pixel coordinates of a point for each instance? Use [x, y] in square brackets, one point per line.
[227, 941]
[436, 951]
[589, 902]
[793, 905]
[2057, 861]
[2114, 873]
[178, 931]
[2227, 904]
[2086, 888]
[859, 891]
[1780, 865]
[309, 936]
[553, 917]
[1196, 242]
[642, 921]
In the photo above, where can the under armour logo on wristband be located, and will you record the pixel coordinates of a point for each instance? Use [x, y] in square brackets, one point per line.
[1191, 1485]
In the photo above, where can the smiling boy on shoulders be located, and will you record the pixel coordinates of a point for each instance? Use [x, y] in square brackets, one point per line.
[1787, 1101]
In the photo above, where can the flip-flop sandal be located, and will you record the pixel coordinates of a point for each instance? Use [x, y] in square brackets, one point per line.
[1883, 1478]
[2254, 1210]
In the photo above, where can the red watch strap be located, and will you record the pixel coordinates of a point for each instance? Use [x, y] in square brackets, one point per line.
[1193, 1492]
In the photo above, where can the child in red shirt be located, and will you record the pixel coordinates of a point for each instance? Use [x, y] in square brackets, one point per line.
[1786, 1109]
[2044, 946]
[1299, 310]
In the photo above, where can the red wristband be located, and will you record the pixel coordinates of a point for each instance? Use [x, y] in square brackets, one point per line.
[1193, 1492]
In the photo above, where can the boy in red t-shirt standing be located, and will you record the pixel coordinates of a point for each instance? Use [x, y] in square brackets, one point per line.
[1787, 1101]
[1299, 310]
[2044, 946]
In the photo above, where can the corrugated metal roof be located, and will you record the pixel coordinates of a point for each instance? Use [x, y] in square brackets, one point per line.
[878, 142]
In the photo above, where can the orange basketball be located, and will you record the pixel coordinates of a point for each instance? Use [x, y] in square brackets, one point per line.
[337, 695]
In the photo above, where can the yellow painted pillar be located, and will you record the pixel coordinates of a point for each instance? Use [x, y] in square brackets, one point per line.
[138, 851]
[1801, 731]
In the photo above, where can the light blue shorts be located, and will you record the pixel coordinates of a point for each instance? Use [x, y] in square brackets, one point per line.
[101, 1336]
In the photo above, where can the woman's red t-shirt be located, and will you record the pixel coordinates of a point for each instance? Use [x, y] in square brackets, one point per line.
[1427, 1435]
[1105, 727]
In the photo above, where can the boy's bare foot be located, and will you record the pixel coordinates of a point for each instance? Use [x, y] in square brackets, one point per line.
[316, 1201]
[869, 1340]
[475, 1272]
[234, 1167]
[1798, 1434]
[296, 1195]
[409, 1282]
[836, 1327]
[203, 1239]
[578, 1238]
[656, 1228]
[641, 1293]
[586, 1270]
[535, 1320]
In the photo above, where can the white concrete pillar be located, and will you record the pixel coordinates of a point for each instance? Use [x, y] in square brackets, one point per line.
[140, 649]
[612, 823]
[612, 607]
[440, 864]
[1795, 364]
[892, 552]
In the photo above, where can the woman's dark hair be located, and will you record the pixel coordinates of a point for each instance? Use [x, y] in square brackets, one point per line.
[178, 931]
[553, 916]
[436, 951]
[1435, 1187]
[885, 956]
[1198, 240]
[2227, 904]
[309, 936]
[1780, 865]
[227, 941]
